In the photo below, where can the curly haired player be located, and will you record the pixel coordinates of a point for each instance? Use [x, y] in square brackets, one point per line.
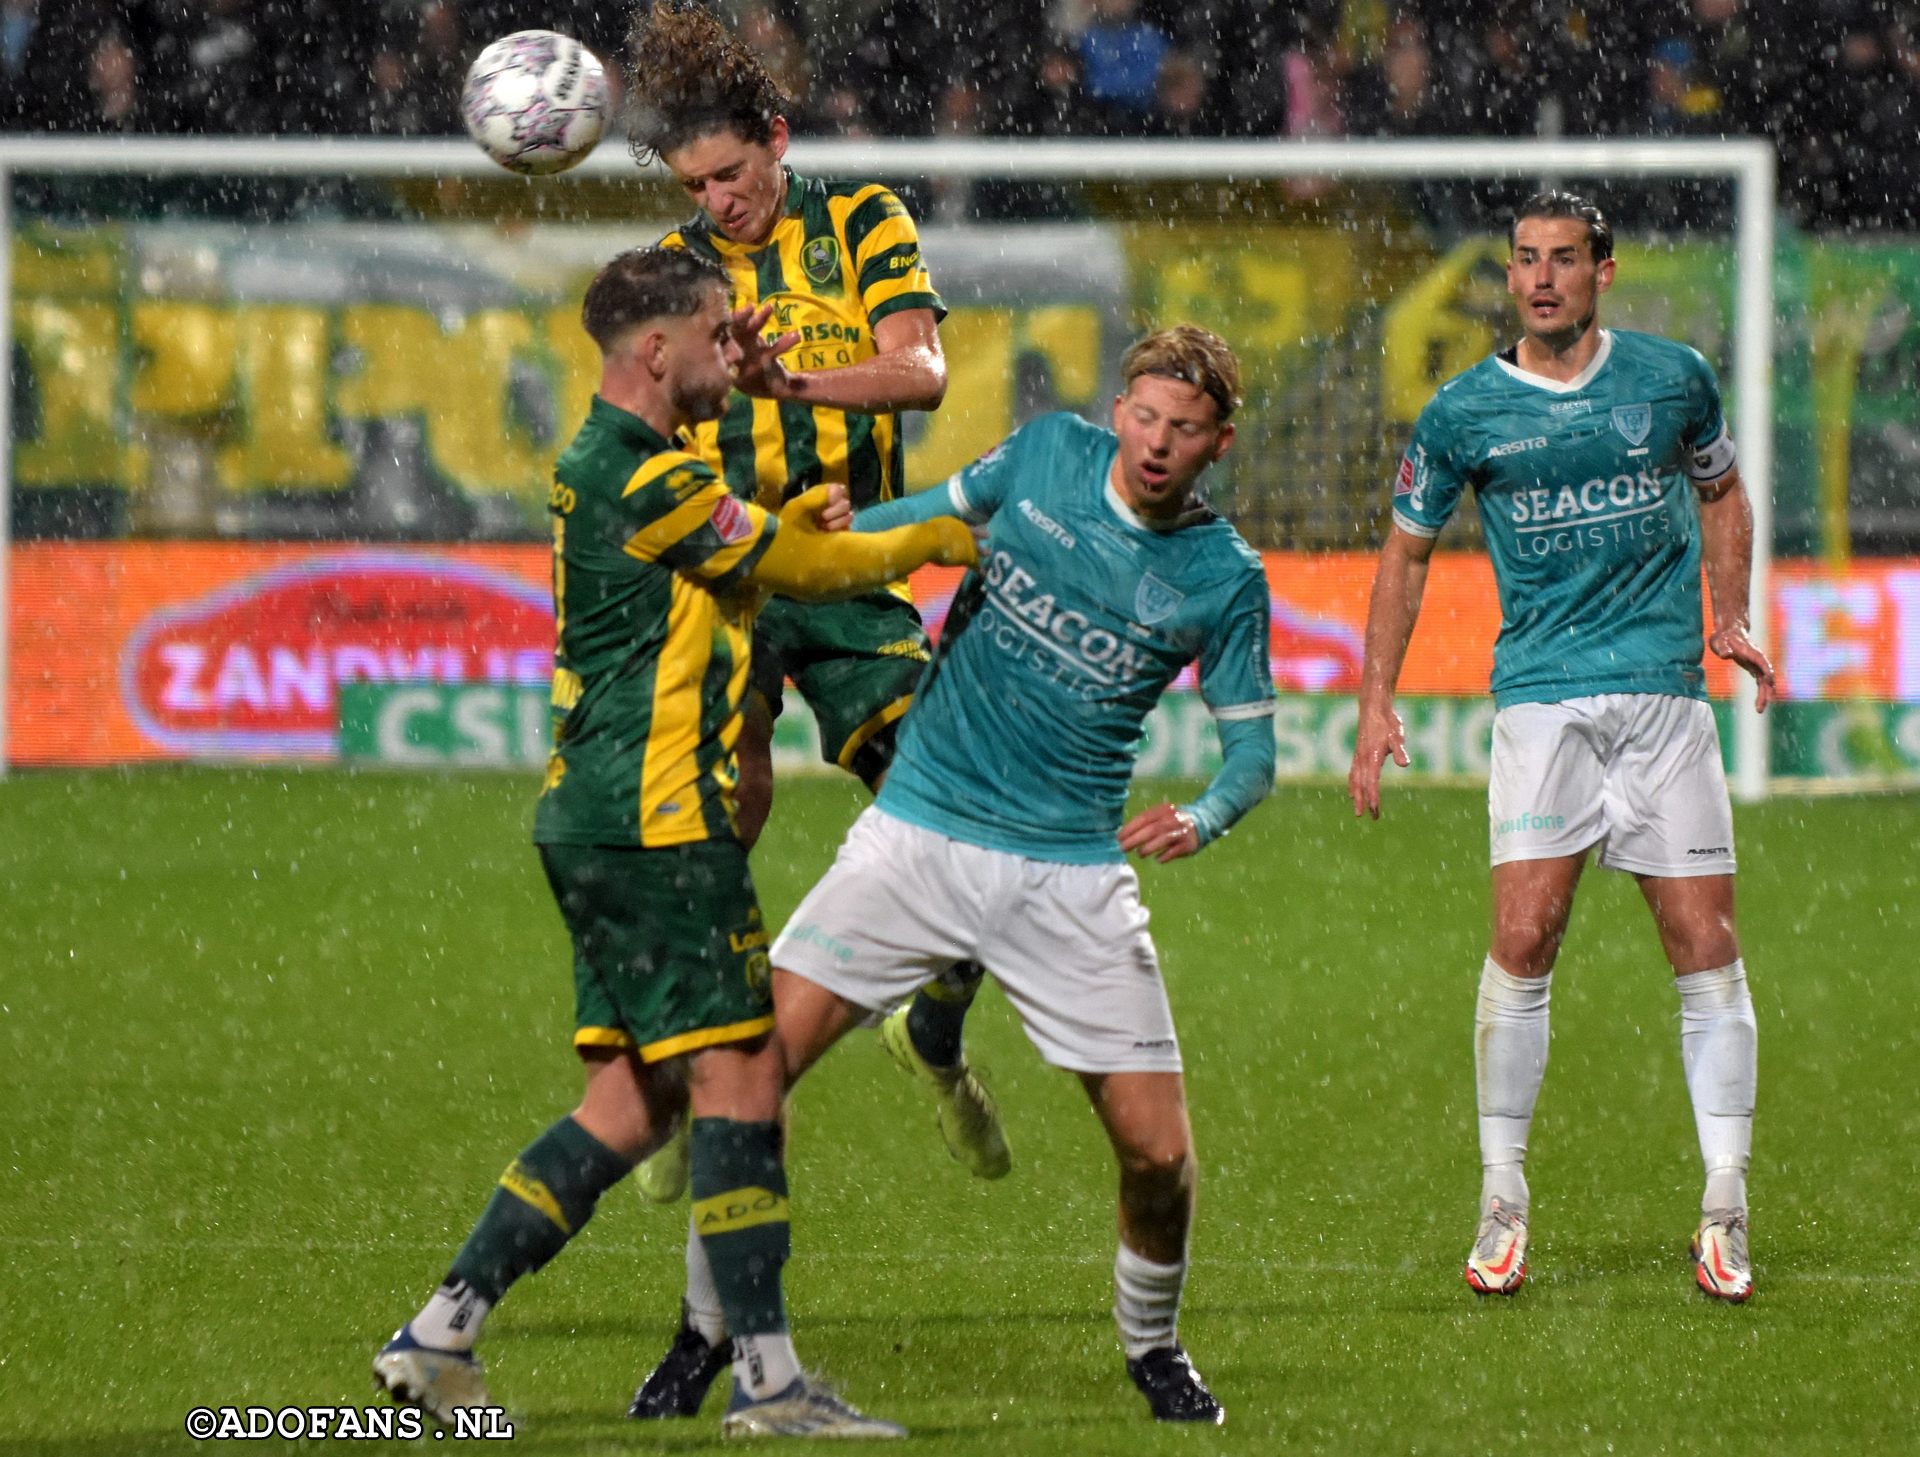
[837, 323]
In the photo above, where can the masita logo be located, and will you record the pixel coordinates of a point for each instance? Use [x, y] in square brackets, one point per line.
[254, 668]
[1518, 447]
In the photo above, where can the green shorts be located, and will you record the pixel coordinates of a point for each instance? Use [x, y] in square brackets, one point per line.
[669, 951]
[856, 664]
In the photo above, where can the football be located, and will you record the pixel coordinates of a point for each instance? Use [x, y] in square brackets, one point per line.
[536, 102]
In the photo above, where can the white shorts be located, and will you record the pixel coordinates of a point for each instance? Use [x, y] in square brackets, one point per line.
[1068, 944]
[1637, 774]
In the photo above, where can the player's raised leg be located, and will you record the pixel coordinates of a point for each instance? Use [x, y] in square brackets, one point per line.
[544, 1198]
[924, 1040]
[1145, 1116]
[1532, 902]
[861, 663]
[1718, 1046]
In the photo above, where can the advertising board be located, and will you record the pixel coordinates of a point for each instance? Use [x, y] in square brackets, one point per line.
[135, 651]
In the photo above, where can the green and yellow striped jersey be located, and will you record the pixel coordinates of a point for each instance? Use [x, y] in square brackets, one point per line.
[842, 258]
[653, 625]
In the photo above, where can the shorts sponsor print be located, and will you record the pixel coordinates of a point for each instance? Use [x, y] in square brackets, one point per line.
[1528, 821]
[1636, 775]
[669, 949]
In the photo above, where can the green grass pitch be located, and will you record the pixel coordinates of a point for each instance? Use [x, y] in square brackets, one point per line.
[268, 1038]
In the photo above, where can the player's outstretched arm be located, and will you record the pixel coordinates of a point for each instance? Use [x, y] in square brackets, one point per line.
[1398, 586]
[974, 492]
[1726, 546]
[809, 561]
[927, 505]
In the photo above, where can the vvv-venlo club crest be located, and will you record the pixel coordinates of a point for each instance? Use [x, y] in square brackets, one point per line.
[1635, 422]
[1154, 601]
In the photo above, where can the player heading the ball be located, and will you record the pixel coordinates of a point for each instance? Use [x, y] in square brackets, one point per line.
[838, 325]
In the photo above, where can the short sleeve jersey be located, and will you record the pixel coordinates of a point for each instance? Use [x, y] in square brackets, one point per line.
[1026, 727]
[652, 634]
[1590, 517]
[842, 258]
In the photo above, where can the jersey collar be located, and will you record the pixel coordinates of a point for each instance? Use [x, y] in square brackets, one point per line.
[1564, 386]
[628, 427]
[1133, 518]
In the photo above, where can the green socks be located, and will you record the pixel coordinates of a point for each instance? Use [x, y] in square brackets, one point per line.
[544, 1198]
[740, 1215]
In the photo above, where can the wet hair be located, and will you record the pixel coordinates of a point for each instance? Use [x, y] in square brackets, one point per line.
[1193, 355]
[644, 284]
[688, 77]
[1553, 204]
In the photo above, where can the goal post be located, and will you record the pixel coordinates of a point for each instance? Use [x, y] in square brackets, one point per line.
[1748, 165]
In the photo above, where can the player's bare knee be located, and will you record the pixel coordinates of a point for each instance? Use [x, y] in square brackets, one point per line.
[1700, 948]
[621, 1107]
[808, 1019]
[1167, 1160]
[739, 1080]
[1525, 950]
[1156, 1201]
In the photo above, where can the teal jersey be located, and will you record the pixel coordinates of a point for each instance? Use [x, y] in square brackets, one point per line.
[1586, 496]
[1025, 729]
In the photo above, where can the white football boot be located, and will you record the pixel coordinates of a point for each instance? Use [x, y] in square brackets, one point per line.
[436, 1381]
[1721, 1264]
[804, 1409]
[1497, 1263]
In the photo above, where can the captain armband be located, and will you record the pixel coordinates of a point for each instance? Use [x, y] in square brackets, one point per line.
[1709, 462]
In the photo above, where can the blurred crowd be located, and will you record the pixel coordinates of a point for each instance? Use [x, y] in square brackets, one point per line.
[1836, 84]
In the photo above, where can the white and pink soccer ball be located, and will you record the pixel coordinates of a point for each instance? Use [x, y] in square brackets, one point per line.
[536, 102]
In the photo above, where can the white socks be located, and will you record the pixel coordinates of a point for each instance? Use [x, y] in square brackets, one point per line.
[1509, 1060]
[1718, 1046]
[764, 1365]
[1146, 1301]
[452, 1318]
[703, 1296]
[1718, 1039]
